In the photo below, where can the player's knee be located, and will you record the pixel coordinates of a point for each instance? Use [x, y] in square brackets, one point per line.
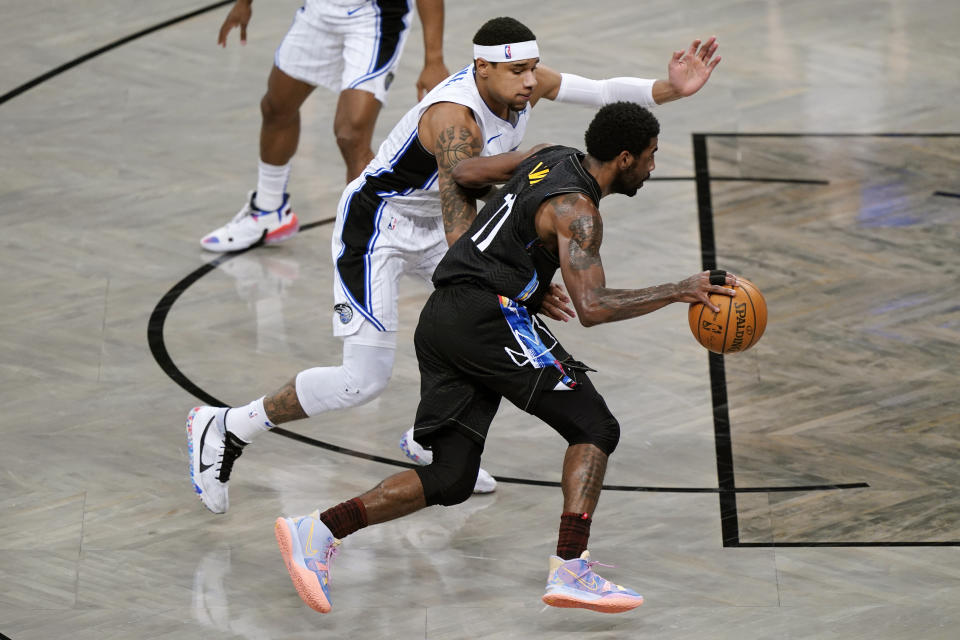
[350, 139]
[450, 478]
[581, 417]
[275, 111]
[606, 435]
[323, 389]
[460, 488]
[360, 387]
[447, 485]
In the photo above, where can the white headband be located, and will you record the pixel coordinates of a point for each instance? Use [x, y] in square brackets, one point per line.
[507, 52]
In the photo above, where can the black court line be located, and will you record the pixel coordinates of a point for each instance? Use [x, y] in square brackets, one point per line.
[158, 348]
[726, 479]
[785, 180]
[317, 223]
[108, 47]
[786, 134]
[946, 194]
[299, 437]
[740, 179]
[768, 545]
[628, 488]
[729, 525]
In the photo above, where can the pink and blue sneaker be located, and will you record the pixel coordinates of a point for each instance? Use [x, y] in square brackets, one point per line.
[573, 584]
[308, 548]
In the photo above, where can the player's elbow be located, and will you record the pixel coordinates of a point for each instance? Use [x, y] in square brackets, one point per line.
[590, 317]
[591, 313]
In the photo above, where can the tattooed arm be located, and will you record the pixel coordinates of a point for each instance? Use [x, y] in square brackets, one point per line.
[477, 172]
[449, 131]
[579, 231]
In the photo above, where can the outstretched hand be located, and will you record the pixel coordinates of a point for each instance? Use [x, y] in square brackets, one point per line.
[697, 288]
[556, 304]
[689, 70]
[239, 16]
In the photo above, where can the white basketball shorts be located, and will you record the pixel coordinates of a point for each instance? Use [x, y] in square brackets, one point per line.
[373, 245]
[346, 44]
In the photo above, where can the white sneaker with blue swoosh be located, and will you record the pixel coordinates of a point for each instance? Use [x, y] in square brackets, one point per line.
[308, 548]
[573, 584]
[212, 452]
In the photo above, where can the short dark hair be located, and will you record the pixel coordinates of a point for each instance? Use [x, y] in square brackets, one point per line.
[620, 126]
[502, 31]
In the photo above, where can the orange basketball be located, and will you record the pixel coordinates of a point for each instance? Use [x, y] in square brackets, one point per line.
[739, 324]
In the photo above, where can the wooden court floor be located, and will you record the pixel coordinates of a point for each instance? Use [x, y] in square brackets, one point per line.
[804, 489]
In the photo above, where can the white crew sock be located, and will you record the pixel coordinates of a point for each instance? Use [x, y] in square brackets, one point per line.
[271, 183]
[248, 421]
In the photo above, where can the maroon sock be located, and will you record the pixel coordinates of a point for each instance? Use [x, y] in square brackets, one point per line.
[345, 518]
[574, 533]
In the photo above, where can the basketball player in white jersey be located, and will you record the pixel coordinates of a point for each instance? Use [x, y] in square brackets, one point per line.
[400, 216]
[351, 47]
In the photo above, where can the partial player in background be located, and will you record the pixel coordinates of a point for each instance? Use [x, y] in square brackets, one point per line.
[350, 47]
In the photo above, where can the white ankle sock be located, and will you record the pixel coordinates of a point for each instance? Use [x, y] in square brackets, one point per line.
[271, 183]
[248, 421]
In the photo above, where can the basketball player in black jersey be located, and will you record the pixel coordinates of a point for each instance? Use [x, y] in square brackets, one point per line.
[489, 287]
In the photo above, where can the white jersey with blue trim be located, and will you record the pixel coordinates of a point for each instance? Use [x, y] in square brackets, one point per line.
[405, 172]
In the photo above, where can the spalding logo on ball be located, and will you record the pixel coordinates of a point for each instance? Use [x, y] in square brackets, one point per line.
[739, 323]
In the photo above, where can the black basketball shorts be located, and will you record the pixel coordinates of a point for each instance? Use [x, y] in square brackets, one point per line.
[475, 347]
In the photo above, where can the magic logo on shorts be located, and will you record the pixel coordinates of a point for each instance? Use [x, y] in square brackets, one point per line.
[345, 312]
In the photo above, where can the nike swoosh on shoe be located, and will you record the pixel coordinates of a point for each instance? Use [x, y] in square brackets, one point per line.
[203, 436]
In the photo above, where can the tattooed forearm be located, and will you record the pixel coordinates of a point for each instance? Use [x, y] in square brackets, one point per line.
[284, 406]
[459, 208]
[621, 304]
[582, 225]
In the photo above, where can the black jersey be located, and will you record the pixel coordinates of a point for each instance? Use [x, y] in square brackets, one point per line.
[501, 251]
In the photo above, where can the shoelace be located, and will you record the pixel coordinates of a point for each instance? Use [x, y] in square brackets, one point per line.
[250, 211]
[589, 569]
[593, 563]
[231, 451]
[332, 550]
[243, 213]
[328, 555]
